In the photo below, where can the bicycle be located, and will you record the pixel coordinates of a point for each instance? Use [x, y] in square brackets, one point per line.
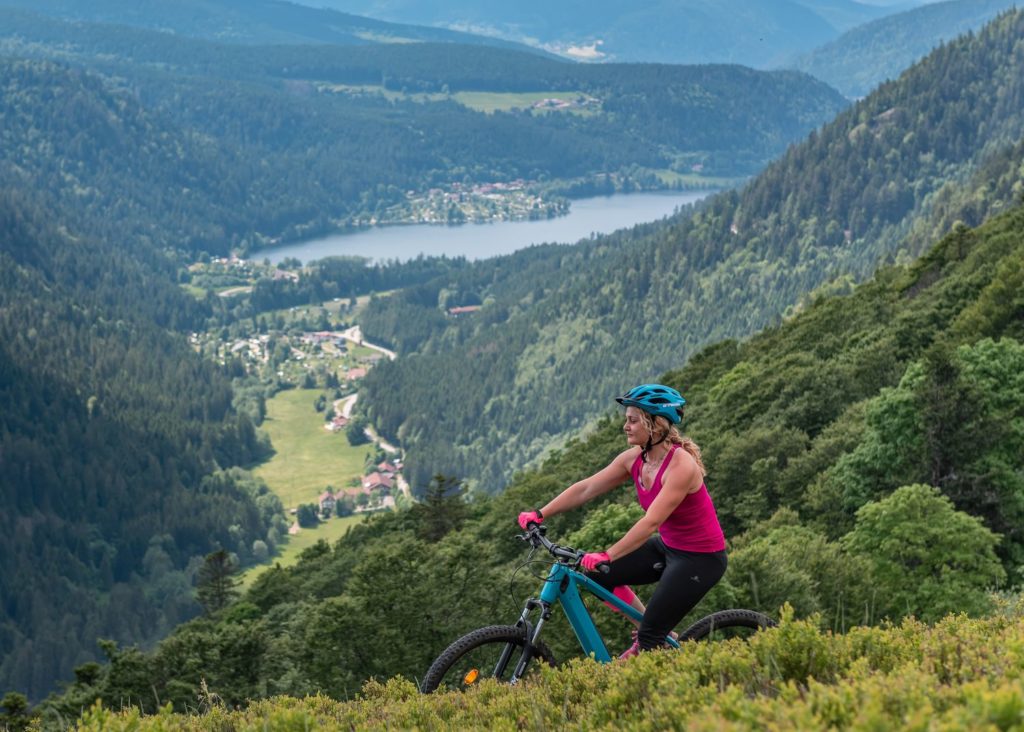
[505, 652]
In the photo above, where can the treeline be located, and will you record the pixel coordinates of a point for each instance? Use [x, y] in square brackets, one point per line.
[582, 324]
[348, 277]
[117, 447]
[862, 456]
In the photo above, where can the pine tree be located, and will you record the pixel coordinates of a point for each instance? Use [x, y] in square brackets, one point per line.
[217, 584]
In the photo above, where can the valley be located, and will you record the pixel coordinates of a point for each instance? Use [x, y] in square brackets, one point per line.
[299, 309]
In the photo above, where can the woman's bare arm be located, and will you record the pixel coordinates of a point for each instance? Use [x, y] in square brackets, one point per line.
[615, 474]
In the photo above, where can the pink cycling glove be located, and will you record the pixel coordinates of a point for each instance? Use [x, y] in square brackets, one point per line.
[592, 559]
[527, 517]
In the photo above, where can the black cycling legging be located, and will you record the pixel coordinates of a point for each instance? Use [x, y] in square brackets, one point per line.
[683, 579]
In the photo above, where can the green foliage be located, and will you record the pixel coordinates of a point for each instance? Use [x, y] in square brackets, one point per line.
[927, 559]
[355, 432]
[953, 421]
[605, 526]
[956, 674]
[441, 509]
[216, 584]
[16, 716]
[308, 515]
[118, 443]
[781, 561]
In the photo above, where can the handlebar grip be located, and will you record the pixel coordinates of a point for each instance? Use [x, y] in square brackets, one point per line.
[604, 568]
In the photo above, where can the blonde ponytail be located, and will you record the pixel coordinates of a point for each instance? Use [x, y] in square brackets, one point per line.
[658, 425]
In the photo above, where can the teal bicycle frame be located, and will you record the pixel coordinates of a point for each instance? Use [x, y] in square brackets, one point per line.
[562, 587]
[469, 658]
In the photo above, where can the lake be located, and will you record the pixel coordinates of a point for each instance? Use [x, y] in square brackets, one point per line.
[599, 215]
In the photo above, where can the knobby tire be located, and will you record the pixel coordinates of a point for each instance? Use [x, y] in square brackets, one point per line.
[725, 619]
[498, 636]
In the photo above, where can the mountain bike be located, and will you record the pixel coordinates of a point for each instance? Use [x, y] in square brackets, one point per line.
[508, 652]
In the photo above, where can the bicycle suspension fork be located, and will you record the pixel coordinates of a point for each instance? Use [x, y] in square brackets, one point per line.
[532, 634]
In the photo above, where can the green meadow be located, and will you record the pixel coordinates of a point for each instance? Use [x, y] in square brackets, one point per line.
[307, 457]
[306, 460]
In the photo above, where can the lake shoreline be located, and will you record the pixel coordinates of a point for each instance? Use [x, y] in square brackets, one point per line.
[405, 241]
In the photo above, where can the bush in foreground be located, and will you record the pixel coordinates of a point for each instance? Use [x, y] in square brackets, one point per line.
[960, 673]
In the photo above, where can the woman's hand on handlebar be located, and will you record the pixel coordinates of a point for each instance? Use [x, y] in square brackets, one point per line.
[530, 517]
[592, 560]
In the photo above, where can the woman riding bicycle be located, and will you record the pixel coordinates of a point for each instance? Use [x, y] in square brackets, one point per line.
[686, 557]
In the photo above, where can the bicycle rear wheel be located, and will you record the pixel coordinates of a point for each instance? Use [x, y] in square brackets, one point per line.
[727, 624]
[490, 652]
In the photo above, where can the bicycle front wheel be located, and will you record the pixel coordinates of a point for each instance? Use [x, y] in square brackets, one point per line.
[491, 652]
[727, 624]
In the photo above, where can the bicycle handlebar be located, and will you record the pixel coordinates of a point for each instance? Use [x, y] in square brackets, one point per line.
[535, 535]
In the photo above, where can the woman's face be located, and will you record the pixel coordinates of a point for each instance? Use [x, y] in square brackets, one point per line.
[636, 433]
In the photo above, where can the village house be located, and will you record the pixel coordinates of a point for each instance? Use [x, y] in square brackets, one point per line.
[280, 274]
[318, 337]
[376, 480]
[355, 373]
[327, 502]
[337, 424]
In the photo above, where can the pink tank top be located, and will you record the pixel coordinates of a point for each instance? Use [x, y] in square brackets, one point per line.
[693, 525]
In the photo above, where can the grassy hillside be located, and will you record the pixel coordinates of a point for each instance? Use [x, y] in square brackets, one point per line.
[957, 674]
[563, 328]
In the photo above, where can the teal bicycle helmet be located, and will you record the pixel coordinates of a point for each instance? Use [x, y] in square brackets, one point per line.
[663, 401]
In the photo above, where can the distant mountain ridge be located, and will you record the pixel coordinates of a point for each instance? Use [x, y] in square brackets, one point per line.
[869, 54]
[750, 32]
[253, 22]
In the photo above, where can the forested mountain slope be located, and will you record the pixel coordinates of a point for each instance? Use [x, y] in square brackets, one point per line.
[865, 458]
[251, 22]
[563, 329]
[113, 434]
[865, 56]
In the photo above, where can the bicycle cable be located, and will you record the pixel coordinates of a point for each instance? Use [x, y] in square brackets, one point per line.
[526, 563]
